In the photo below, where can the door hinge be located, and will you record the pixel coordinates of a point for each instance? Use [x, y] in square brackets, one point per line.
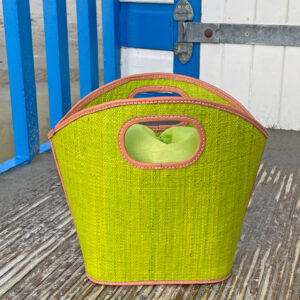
[248, 34]
[183, 12]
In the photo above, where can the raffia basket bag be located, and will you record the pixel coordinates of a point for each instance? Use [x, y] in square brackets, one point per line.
[161, 222]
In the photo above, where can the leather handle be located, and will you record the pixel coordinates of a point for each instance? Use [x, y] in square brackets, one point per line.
[158, 88]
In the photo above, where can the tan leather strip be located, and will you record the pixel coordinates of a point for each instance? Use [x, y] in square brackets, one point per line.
[157, 282]
[170, 165]
[157, 88]
[148, 76]
[156, 100]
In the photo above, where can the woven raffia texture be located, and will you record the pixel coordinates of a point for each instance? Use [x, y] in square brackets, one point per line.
[123, 91]
[168, 224]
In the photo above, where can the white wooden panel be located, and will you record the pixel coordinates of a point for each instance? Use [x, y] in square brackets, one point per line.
[235, 76]
[135, 61]
[267, 67]
[212, 11]
[266, 85]
[236, 60]
[211, 63]
[227, 66]
[211, 54]
[271, 11]
[294, 12]
[237, 11]
[289, 113]
[264, 78]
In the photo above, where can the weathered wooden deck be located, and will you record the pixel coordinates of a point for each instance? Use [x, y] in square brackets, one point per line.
[40, 256]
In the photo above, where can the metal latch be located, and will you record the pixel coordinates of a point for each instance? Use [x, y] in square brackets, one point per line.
[248, 34]
[183, 12]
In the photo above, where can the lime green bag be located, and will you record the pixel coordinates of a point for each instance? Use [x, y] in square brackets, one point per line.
[159, 222]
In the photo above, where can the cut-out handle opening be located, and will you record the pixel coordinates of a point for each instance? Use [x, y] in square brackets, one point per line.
[175, 147]
[157, 91]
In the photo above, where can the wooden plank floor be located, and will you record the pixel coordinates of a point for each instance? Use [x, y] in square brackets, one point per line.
[40, 256]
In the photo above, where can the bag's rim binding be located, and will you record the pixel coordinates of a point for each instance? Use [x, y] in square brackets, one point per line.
[75, 112]
[148, 76]
[157, 282]
[155, 100]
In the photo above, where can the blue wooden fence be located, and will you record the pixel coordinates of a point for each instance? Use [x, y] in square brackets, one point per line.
[21, 68]
[139, 25]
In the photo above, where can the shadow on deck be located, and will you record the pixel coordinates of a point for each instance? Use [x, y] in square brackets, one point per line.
[40, 256]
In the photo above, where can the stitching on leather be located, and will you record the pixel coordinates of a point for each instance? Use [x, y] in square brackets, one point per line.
[106, 105]
[172, 165]
[151, 282]
[167, 76]
[161, 101]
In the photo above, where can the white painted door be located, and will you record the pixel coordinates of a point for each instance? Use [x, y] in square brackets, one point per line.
[266, 79]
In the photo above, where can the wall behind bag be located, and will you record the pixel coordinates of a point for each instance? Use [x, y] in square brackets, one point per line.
[266, 79]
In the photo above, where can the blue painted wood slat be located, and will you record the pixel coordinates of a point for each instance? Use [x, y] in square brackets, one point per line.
[148, 26]
[45, 147]
[192, 67]
[111, 39]
[56, 39]
[87, 45]
[21, 78]
[12, 163]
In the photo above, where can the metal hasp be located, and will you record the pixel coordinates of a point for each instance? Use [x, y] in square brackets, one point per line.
[273, 35]
[183, 12]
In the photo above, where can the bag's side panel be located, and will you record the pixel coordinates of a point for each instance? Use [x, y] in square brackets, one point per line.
[141, 225]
